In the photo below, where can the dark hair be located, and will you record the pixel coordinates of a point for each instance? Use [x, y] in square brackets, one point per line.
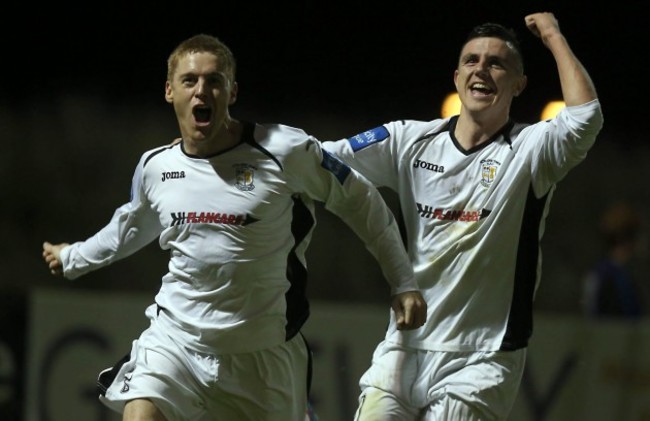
[495, 30]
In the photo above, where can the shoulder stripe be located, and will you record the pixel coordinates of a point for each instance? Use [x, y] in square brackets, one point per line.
[445, 128]
[249, 137]
[156, 152]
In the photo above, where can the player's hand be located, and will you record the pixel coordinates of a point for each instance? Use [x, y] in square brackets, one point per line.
[410, 310]
[52, 256]
[542, 25]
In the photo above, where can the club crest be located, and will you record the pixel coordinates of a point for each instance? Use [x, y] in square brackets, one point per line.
[244, 177]
[488, 171]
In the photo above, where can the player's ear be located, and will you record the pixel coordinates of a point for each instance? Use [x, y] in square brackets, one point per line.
[233, 93]
[169, 96]
[521, 85]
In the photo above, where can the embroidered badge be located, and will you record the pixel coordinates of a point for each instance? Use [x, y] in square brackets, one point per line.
[488, 171]
[244, 177]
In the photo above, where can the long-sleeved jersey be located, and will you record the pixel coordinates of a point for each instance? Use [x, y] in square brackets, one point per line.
[237, 225]
[474, 218]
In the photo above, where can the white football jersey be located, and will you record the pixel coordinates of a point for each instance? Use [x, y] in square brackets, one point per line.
[474, 218]
[237, 225]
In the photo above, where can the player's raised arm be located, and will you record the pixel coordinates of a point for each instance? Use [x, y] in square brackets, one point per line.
[577, 86]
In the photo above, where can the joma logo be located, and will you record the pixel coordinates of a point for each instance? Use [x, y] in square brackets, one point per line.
[428, 166]
[171, 175]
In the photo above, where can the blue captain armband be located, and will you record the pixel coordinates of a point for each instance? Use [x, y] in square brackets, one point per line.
[335, 166]
[367, 138]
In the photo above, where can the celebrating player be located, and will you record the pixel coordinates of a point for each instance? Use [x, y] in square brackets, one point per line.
[233, 204]
[474, 190]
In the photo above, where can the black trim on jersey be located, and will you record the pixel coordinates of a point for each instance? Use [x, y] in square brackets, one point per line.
[520, 318]
[249, 137]
[504, 131]
[154, 153]
[310, 363]
[296, 297]
[513, 131]
[444, 128]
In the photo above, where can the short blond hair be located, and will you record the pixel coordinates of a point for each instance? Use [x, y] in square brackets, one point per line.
[203, 43]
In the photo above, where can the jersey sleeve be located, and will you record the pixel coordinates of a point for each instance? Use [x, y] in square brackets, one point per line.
[372, 153]
[351, 197]
[567, 138]
[133, 226]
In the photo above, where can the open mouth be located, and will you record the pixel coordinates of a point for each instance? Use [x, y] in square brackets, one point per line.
[481, 88]
[202, 114]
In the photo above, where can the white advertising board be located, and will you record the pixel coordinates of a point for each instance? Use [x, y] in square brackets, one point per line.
[575, 370]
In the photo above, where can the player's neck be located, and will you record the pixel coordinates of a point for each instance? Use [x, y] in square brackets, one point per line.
[471, 132]
[227, 137]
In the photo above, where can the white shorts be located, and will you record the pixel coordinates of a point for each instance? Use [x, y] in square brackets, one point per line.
[270, 384]
[409, 384]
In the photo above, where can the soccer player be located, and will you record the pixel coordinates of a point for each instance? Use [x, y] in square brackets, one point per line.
[474, 190]
[233, 205]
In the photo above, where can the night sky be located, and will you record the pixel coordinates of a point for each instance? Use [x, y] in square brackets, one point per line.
[365, 64]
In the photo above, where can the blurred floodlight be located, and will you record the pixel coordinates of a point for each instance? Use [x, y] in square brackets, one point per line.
[551, 109]
[450, 106]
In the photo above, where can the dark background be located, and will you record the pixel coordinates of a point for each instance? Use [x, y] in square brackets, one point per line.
[82, 97]
[361, 61]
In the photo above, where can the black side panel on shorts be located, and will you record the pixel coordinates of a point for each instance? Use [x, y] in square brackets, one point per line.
[106, 377]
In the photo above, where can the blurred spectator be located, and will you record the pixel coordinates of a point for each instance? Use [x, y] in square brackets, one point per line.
[610, 289]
